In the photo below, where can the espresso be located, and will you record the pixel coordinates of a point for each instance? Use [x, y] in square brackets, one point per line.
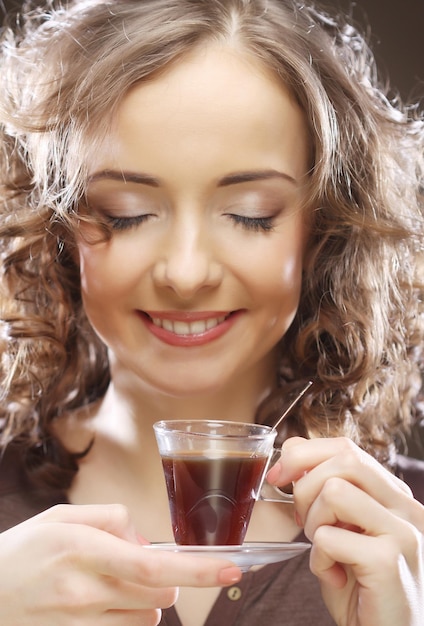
[211, 498]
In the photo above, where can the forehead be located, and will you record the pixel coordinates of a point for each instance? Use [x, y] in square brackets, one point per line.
[218, 98]
[215, 79]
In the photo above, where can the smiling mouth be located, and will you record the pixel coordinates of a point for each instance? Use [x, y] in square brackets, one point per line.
[179, 327]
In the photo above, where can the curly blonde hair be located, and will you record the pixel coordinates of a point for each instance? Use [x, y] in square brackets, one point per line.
[358, 332]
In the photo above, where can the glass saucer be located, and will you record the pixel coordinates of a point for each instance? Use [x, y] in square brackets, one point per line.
[244, 556]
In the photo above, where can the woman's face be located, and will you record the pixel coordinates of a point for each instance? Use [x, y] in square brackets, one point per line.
[202, 181]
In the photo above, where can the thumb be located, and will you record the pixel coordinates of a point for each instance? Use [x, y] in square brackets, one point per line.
[111, 518]
[278, 474]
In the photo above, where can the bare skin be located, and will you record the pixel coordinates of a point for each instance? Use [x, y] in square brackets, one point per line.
[181, 215]
[116, 471]
[210, 235]
[366, 528]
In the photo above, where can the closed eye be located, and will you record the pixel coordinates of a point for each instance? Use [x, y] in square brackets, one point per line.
[264, 224]
[125, 223]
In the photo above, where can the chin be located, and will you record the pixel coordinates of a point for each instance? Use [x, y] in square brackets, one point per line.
[188, 386]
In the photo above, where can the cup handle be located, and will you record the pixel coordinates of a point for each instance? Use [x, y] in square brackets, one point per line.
[271, 493]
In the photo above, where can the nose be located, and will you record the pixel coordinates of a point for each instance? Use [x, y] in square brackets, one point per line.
[187, 263]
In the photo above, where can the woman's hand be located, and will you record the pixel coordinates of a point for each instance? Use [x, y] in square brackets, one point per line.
[366, 531]
[85, 565]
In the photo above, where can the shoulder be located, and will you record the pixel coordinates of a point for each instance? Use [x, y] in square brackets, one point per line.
[19, 499]
[412, 472]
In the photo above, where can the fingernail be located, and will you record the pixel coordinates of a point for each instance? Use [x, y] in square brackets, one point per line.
[273, 474]
[229, 575]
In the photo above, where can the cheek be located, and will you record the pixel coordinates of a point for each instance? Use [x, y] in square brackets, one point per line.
[114, 266]
[281, 287]
[280, 271]
[101, 272]
[291, 253]
[90, 269]
[290, 275]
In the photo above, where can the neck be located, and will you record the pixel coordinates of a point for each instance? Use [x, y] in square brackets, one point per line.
[130, 407]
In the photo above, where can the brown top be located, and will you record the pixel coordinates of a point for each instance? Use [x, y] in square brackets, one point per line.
[279, 594]
[283, 593]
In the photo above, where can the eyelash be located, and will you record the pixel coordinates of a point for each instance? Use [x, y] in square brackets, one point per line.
[256, 224]
[125, 223]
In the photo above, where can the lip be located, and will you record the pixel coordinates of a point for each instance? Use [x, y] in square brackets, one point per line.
[222, 322]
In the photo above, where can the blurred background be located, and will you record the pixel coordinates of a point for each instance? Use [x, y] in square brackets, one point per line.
[396, 35]
[395, 31]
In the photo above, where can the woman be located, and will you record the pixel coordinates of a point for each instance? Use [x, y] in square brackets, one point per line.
[204, 205]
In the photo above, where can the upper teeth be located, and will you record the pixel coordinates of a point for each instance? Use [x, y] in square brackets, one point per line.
[188, 328]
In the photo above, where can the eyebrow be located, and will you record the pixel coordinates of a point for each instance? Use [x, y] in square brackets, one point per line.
[251, 176]
[125, 177]
[235, 178]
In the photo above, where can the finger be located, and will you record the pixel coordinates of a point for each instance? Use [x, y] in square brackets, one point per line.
[111, 556]
[86, 592]
[361, 497]
[112, 518]
[378, 487]
[130, 618]
[342, 504]
[276, 475]
[314, 464]
[129, 596]
[300, 456]
[377, 564]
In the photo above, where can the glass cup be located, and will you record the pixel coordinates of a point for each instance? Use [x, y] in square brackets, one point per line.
[214, 472]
